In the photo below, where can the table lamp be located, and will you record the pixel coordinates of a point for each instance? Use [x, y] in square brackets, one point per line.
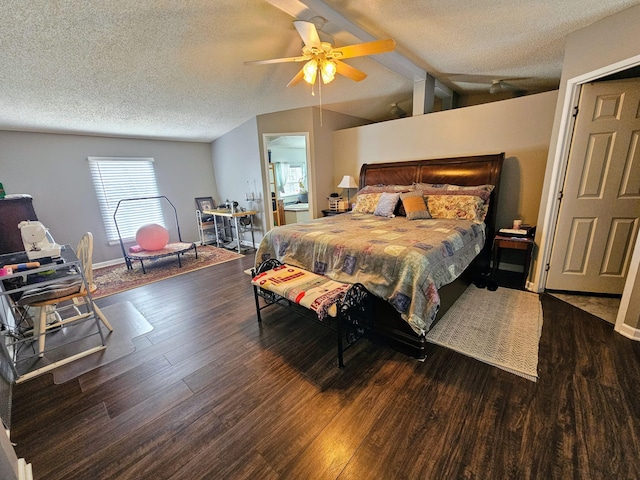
[348, 182]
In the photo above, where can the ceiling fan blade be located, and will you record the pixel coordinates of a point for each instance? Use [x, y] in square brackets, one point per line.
[309, 34]
[277, 60]
[350, 72]
[297, 79]
[361, 49]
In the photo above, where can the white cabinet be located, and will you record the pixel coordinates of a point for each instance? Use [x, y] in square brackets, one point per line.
[296, 216]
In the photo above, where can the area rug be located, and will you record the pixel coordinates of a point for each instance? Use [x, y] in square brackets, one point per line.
[127, 322]
[116, 278]
[501, 328]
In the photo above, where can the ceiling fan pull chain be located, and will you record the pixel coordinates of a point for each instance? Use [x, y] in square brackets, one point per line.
[320, 95]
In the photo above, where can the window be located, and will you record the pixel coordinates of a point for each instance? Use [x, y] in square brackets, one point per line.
[291, 178]
[118, 178]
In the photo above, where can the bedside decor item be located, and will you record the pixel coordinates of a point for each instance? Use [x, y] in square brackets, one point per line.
[334, 201]
[348, 183]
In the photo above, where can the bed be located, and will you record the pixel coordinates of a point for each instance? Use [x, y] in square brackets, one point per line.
[416, 268]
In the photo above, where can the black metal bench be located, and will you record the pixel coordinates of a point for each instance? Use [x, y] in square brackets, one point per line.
[348, 311]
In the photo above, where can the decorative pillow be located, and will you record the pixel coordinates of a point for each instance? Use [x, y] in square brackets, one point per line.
[367, 203]
[486, 188]
[387, 204]
[484, 194]
[462, 207]
[424, 186]
[414, 205]
[385, 188]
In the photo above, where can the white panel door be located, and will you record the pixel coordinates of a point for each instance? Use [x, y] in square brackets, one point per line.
[600, 206]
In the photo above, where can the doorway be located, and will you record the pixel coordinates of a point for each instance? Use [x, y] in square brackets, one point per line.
[549, 220]
[600, 202]
[288, 176]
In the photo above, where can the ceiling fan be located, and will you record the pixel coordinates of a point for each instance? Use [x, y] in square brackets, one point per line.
[323, 57]
[498, 84]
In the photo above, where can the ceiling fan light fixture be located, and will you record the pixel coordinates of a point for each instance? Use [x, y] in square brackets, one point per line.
[310, 70]
[328, 71]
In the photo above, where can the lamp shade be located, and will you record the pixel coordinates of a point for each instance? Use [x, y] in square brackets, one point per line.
[347, 182]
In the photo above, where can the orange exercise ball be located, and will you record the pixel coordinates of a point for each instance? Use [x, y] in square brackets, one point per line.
[152, 237]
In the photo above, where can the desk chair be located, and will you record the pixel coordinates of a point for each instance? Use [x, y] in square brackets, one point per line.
[79, 298]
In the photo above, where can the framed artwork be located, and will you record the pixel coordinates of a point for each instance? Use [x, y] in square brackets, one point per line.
[205, 203]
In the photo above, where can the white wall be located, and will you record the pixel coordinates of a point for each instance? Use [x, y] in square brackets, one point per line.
[236, 161]
[53, 168]
[326, 180]
[320, 174]
[520, 127]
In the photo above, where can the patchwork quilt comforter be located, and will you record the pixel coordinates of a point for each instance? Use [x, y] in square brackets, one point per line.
[401, 261]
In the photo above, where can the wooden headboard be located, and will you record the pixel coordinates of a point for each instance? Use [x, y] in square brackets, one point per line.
[475, 170]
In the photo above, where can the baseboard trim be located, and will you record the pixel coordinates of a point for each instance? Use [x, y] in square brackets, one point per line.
[108, 263]
[628, 331]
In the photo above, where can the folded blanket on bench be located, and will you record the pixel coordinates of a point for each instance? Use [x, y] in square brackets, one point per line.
[308, 289]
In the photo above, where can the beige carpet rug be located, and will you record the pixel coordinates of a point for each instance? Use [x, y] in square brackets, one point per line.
[500, 328]
[117, 278]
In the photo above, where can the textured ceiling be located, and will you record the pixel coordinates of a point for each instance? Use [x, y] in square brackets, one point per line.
[174, 69]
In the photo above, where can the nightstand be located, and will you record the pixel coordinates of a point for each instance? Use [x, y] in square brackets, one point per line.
[523, 244]
[330, 213]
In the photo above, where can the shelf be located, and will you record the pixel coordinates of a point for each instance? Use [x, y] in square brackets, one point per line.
[206, 230]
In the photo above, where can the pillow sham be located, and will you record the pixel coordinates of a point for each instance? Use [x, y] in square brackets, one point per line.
[462, 207]
[423, 186]
[484, 194]
[486, 188]
[414, 205]
[387, 204]
[367, 202]
[385, 188]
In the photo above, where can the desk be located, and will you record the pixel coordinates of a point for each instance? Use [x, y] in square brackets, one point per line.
[233, 216]
[513, 243]
[16, 334]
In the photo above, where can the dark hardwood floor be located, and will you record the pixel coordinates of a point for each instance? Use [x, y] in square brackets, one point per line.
[210, 394]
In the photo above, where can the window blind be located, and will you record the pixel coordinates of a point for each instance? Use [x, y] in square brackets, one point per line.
[118, 178]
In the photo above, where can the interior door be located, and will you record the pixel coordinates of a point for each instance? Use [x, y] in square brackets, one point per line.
[600, 206]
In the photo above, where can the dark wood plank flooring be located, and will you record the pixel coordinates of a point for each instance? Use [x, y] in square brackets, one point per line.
[210, 394]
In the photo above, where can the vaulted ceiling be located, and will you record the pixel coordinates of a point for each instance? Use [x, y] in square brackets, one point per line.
[173, 69]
